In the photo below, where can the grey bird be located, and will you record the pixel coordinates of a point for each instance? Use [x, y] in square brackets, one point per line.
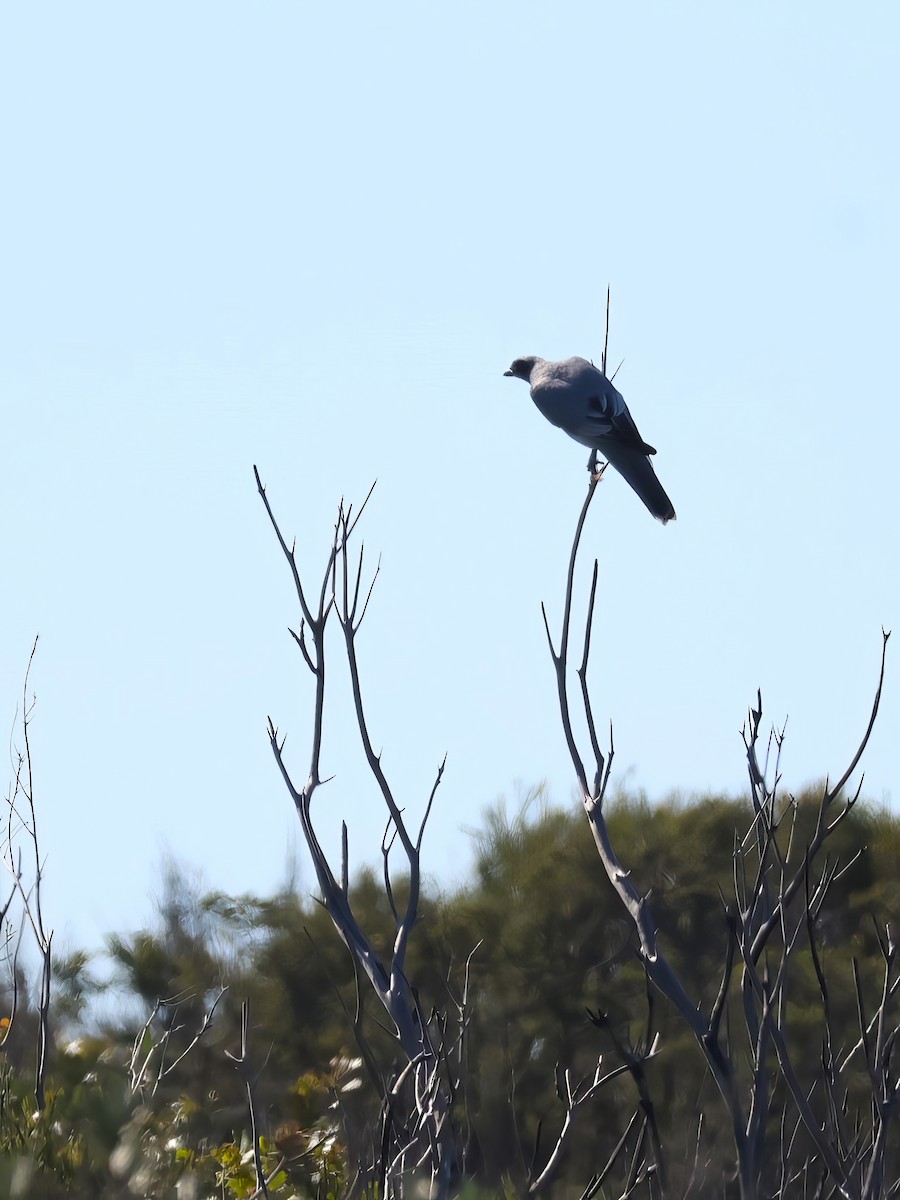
[578, 398]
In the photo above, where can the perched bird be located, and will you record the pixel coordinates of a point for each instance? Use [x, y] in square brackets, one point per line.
[578, 398]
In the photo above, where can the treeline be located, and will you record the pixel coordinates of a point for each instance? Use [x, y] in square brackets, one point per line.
[531, 962]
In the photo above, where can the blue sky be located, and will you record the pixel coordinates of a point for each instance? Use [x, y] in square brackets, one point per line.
[312, 237]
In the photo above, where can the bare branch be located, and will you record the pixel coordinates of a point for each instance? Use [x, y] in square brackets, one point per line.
[204, 1026]
[585, 694]
[715, 1017]
[288, 552]
[423, 1134]
[242, 1063]
[838, 788]
[362, 615]
[764, 911]
[573, 1098]
[22, 819]
[560, 659]
[606, 334]
[301, 642]
[597, 1182]
[435, 786]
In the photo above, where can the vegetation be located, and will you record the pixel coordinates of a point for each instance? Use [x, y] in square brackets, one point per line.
[712, 1014]
[124, 1117]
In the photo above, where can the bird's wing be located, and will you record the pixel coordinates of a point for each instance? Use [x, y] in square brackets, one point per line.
[607, 416]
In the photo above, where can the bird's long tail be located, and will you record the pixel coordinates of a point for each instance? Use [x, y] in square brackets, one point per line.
[637, 469]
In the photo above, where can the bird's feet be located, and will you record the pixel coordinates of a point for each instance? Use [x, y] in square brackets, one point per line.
[596, 471]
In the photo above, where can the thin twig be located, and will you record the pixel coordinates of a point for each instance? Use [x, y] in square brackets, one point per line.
[242, 1063]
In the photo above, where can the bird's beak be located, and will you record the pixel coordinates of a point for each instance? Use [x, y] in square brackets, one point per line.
[506, 373]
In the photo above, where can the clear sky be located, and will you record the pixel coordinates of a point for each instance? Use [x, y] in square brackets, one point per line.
[313, 237]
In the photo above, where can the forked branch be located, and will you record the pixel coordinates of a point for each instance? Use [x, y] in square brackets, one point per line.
[22, 819]
[423, 1137]
[763, 912]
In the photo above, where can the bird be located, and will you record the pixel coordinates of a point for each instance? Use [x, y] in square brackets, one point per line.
[580, 400]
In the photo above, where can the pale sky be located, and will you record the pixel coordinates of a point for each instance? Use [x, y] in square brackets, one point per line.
[313, 237]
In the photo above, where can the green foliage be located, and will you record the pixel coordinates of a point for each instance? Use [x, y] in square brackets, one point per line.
[35, 1142]
[127, 1116]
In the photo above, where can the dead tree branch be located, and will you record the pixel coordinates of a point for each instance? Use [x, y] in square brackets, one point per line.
[423, 1139]
[22, 820]
[144, 1049]
[764, 919]
[246, 1072]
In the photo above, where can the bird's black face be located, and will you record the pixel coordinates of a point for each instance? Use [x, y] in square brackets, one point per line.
[520, 369]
